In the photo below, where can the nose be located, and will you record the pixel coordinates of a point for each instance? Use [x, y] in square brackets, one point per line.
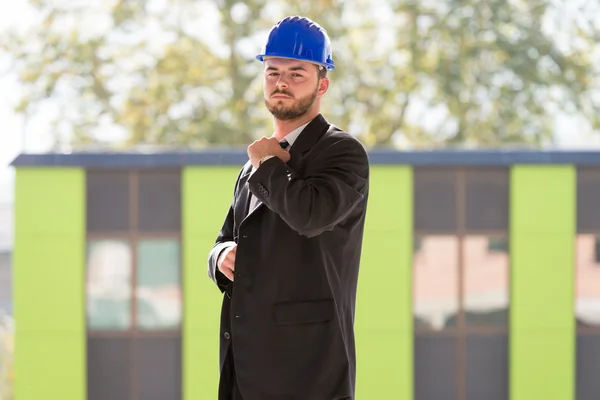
[281, 82]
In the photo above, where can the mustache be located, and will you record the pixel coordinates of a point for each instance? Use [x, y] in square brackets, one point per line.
[277, 91]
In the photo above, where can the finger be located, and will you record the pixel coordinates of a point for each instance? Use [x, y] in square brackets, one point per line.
[230, 257]
[228, 274]
[226, 267]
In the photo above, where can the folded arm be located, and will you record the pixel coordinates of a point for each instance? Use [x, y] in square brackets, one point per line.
[333, 185]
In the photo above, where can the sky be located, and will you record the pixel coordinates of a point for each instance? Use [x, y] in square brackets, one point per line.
[12, 135]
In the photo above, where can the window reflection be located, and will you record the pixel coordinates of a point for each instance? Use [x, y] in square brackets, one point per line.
[486, 280]
[108, 284]
[158, 290]
[587, 280]
[435, 274]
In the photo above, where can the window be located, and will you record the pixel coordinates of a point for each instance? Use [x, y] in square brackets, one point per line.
[109, 284]
[133, 281]
[485, 286]
[461, 293]
[587, 283]
[435, 282]
[587, 278]
[158, 293]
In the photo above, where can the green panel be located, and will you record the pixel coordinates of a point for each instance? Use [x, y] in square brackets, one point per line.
[207, 195]
[542, 326]
[383, 325]
[48, 284]
[50, 366]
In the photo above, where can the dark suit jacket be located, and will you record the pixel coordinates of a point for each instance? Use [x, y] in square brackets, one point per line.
[289, 312]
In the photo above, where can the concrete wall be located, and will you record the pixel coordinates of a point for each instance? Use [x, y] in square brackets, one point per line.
[5, 283]
[6, 243]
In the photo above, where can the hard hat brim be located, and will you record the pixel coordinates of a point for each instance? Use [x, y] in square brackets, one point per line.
[263, 57]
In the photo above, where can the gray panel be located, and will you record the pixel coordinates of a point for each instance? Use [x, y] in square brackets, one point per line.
[435, 200]
[107, 201]
[487, 199]
[5, 284]
[588, 199]
[435, 368]
[159, 201]
[158, 362]
[588, 364]
[108, 369]
[487, 367]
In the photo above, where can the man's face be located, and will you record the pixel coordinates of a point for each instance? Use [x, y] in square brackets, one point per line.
[291, 87]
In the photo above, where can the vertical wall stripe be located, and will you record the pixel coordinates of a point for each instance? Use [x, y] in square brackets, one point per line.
[48, 271]
[383, 324]
[207, 194]
[542, 252]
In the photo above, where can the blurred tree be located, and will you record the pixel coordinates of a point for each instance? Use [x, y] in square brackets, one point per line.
[490, 72]
[166, 72]
[183, 72]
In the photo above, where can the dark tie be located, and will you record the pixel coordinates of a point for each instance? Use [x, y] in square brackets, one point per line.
[284, 144]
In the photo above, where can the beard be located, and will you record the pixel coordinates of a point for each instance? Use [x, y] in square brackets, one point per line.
[297, 109]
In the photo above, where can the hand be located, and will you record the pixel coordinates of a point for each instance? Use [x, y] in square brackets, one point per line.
[265, 147]
[226, 262]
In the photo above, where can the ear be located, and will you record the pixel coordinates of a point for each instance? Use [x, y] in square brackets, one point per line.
[323, 86]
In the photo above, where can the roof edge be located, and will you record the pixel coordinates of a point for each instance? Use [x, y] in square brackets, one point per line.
[238, 157]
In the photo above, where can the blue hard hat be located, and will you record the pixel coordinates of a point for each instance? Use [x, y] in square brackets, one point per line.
[299, 38]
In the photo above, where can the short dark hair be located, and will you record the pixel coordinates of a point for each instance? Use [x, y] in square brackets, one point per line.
[322, 72]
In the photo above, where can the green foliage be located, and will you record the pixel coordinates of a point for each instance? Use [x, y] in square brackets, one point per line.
[466, 72]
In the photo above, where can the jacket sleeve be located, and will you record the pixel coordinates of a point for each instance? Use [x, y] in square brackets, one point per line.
[335, 182]
[225, 239]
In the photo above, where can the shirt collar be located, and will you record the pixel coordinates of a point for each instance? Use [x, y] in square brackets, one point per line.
[293, 135]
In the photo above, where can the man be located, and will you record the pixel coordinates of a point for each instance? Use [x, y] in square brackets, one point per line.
[287, 255]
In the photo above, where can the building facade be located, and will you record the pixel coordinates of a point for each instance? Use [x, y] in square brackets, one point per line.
[480, 276]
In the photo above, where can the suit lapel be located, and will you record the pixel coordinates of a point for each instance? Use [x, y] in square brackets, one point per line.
[307, 139]
[251, 200]
[243, 200]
